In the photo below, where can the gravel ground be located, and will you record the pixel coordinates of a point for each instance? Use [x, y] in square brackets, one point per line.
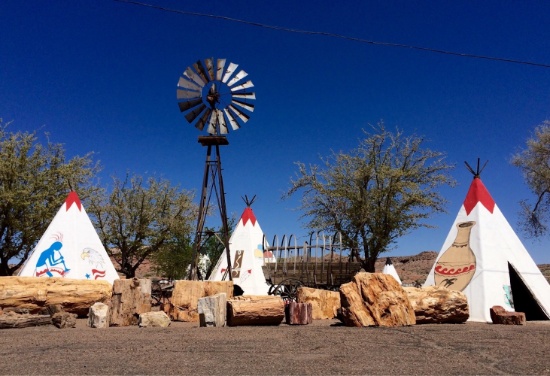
[323, 348]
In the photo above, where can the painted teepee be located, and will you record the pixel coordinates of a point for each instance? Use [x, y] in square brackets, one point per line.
[246, 249]
[70, 248]
[484, 258]
[389, 268]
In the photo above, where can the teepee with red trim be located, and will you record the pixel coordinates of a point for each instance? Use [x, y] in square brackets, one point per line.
[70, 248]
[246, 248]
[389, 268]
[484, 258]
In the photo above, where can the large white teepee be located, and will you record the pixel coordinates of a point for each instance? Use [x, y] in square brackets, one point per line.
[483, 257]
[246, 247]
[389, 268]
[70, 248]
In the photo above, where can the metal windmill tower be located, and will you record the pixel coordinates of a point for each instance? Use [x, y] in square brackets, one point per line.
[212, 96]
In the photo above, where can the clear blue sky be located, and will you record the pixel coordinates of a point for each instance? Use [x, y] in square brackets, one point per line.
[101, 76]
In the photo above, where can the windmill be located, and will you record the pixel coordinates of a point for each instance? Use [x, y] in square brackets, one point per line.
[214, 97]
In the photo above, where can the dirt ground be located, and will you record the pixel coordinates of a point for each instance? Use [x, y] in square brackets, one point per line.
[323, 348]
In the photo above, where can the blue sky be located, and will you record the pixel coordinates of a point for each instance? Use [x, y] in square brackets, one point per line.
[101, 76]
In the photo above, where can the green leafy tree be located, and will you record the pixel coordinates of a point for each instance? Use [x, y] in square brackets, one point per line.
[173, 261]
[534, 162]
[140, 218]
[374, 194]
[35, 179]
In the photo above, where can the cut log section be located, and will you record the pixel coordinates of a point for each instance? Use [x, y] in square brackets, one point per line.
[252, 311]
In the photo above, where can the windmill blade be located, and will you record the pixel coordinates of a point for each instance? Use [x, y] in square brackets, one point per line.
[244, 117]
[186, 105]
[246, 85]
[230, 70]
[186, 84]
[210, 66]
[182, 93]
[219, 69]
[202, 121]
[245, 95]
[191, 116]
[201, 71]
[239, 76]
[234, 124]
[212, 124]
[222, 125]
[189, 73]
[246, 106]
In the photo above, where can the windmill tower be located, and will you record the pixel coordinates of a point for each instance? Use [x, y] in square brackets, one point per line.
[212, 96]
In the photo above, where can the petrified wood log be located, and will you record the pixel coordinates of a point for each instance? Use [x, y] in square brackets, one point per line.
[298, 313]
[375, 299]
[500, 316]
[438, 305]
[131, 297]
[265, 311]
[15, 320]
[324, 303]
[33, 293]
[183, 305]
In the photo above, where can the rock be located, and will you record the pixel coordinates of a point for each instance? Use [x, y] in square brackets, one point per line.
[438, 305]
[183, 305]
[213, 310]
[32, 294]
[298, 313]
[500, 316]
[157, 319]
[324, 303]
[264, 311]
[375, 299]
[99, 315]
[131, 297]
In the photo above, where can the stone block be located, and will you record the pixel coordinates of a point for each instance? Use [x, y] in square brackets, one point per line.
[438, 305]
[98, 316]
[156, 319]
[324, 303]
[298, 313]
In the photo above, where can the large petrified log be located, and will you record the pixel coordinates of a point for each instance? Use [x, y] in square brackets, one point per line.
[324, 303]
[438, 305]
[31, 294]
[375, 299]
[131, 297]
[250, 310]
[183, 305]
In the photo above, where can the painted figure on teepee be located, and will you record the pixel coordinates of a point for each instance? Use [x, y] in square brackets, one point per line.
[70, 248]
[484, 258]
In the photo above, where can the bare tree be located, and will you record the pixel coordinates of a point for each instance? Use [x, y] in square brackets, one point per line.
[374, 194]
[534, 162]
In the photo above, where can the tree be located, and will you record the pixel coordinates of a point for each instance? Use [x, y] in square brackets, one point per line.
[534, 162]
[374, 194]
[138, 219]
[34, 182]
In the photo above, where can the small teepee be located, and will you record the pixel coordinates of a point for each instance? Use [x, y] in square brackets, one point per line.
[390, 269]
[484, 258]
[70, 248]
[246, 247]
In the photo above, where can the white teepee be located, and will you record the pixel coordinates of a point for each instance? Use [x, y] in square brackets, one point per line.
[246, 247]
[390, 269]
[483, 257]
[70, 248]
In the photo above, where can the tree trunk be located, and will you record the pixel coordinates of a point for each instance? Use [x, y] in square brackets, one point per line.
[265, 311]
